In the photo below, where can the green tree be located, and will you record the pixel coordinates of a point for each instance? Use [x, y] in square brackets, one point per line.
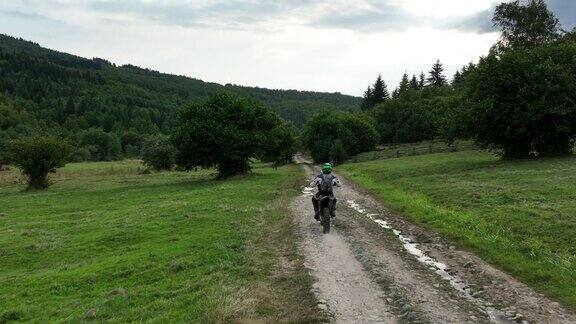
[379, 91]
[525, 23]
[281, 145]
[338, 152]
[37, 156]
[158, 153]
[368, 99]
[403, 87]
[522, 101]
[436, 77]
[224, 132]
[421, 81]
[414, 83]
[355, 132]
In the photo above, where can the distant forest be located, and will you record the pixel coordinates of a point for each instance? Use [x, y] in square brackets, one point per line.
[106, 110]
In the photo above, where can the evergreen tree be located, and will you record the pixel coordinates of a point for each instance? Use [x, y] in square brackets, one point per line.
[404, 86]
[436, 78]
[414, 83]
[422, 81]
[368, 100]
[379, 91]
[375, 94]
[457, 79]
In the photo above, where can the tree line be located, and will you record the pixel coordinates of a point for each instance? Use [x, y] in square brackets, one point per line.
[518, 101]
[107, 112]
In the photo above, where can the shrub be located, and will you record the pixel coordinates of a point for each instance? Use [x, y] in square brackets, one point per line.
[226, 131]
[36, 157]
[158, 153]
[523, 102]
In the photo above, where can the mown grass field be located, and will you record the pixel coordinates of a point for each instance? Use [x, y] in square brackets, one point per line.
[518, 215]
[110, 244]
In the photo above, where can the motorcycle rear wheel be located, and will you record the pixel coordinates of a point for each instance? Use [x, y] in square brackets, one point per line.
[326, 220]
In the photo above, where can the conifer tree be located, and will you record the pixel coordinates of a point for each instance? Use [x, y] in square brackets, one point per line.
[457, 79]
[414, 83]
[422, 81]
[375, 94]
[379, 91]
[368, 100]
[404, 86]
[436, 78]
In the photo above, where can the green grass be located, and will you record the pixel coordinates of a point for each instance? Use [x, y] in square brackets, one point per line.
[108, 243]
[518, 215]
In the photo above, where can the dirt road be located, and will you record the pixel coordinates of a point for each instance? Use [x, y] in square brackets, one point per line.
[375, 267]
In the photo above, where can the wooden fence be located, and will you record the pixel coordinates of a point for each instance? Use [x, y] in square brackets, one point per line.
[422, 148]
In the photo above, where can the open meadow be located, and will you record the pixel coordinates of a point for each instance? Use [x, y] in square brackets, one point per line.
[109, 243]
[518, 215]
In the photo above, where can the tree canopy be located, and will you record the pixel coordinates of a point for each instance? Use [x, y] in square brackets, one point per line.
[226, 131]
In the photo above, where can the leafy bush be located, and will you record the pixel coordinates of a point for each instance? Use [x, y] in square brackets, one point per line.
[158, 153]
[36, 157]
[226, 131]
[355, 132]
[523, 102]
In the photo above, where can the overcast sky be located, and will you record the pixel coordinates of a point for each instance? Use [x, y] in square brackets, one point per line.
[322, 45]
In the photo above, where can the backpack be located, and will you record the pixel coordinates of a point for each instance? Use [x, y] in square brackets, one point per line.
[326, 182]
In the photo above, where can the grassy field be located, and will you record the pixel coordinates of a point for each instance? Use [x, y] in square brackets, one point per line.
[518, 215]
[108, 243]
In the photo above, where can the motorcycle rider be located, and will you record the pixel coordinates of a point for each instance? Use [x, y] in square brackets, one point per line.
[325, 182]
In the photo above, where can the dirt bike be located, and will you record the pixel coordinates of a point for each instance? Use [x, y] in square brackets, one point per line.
[325, 205]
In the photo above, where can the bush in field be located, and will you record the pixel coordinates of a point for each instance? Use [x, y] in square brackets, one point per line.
[227, 131]
[158, 153]
[355, 132]
[36, 157]
[523, 102]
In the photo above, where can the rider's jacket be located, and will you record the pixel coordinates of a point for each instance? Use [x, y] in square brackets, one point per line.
[326, 177]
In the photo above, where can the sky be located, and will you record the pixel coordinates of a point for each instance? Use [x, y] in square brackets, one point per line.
[319, 45]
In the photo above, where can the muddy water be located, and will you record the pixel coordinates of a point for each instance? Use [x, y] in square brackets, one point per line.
[439, 268]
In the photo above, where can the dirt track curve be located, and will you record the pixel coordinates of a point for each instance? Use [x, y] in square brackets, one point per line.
[375, 267]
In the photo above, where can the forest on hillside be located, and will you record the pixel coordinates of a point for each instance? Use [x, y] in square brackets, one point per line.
[106, 111]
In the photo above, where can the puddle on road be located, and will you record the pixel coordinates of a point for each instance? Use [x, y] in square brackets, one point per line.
[440, 268]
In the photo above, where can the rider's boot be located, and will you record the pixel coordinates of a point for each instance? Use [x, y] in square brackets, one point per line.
[316, 208]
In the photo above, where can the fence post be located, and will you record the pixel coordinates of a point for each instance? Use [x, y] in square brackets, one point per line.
[397, 153]
[413, 151]
[430, 147]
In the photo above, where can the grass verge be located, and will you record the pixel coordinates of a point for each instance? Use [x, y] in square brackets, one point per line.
[518, 215]
[106, 243]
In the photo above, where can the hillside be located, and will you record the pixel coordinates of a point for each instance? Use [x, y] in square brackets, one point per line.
[68, 94]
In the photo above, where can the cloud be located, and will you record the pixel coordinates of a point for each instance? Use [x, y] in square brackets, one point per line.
[565, 10]
[479, 23]
[214, 14]
[367, 17]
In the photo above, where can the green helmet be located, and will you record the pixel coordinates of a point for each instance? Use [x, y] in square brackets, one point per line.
[327, 167]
